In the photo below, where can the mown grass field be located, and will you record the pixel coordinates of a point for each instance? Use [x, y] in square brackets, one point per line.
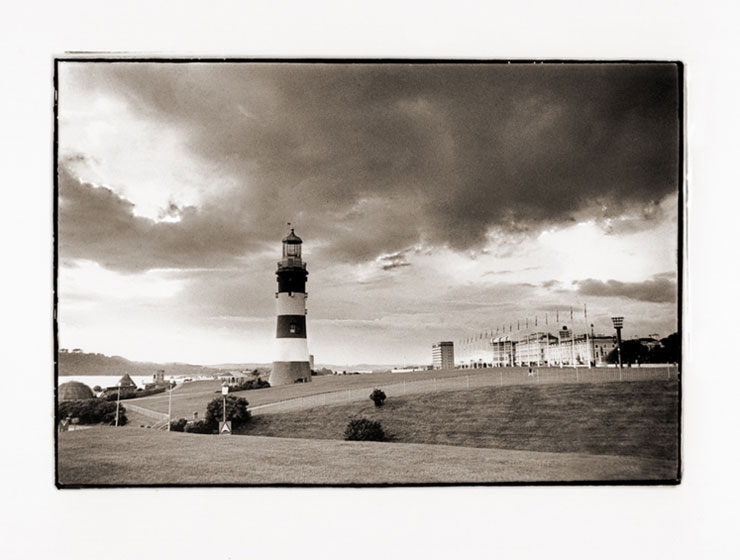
[608, 431]
[629, 418]
[195, 396]
[110, 456]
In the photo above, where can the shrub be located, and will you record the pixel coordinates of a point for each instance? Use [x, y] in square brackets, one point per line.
[362, 429]
[97, 388]
[92, 411]
[250, 384]
[200, 427]
[378, 397]
[131, 393]
[236, 411]
[178, 425]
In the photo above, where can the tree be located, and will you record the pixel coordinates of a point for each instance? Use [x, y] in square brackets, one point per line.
[672, 346]
[362, 429]
[378, 397]
[236, 411]
[632, 351]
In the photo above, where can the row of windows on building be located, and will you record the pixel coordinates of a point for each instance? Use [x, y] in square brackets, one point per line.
[536, 349]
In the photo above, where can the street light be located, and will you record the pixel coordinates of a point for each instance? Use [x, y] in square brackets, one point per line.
[118, 402]
[618, 322]
[224, 392]
[169, 407]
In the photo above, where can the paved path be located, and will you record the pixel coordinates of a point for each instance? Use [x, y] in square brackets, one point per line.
[143, 411]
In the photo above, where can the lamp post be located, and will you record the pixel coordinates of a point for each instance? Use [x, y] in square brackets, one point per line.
[118, 402]
[618, 323]
[169, 408]
[224, 392]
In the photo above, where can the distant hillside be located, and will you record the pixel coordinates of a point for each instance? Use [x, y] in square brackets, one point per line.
[80, 363]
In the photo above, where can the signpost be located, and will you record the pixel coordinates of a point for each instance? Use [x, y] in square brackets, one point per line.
[224, 427]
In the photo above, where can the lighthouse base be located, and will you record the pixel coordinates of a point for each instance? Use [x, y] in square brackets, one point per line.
[287, 373]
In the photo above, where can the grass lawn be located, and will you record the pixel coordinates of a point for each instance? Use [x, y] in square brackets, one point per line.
[576, 432]
[195, 396]
[630, 418]
[115, 456]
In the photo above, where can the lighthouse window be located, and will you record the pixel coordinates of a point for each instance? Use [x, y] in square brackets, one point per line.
[292, 328]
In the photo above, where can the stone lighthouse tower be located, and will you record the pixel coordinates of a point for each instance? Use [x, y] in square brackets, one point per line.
[291, 361]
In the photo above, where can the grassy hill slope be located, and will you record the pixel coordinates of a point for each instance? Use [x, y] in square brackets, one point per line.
[110, 456]
[628, 418]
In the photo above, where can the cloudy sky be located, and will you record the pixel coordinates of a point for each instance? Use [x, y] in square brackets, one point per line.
[435, 201]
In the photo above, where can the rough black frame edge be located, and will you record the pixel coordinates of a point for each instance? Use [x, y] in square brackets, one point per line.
[55, 269]
[681, 227]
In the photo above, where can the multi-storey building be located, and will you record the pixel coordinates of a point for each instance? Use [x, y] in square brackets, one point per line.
[443, 355]
[531, 349]
[580, 350]
[504, 351]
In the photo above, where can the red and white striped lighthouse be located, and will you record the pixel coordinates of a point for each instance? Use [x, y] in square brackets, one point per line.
[291, 358]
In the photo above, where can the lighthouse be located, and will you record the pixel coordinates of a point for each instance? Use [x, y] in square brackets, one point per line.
[291, 358]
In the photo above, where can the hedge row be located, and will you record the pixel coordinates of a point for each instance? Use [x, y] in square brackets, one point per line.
[92, 411]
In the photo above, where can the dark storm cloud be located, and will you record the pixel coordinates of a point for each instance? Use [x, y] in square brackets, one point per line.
[659, 289]
[97, 224]
[372, 159]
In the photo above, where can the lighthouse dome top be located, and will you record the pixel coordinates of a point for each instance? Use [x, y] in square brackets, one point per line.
[292, 238]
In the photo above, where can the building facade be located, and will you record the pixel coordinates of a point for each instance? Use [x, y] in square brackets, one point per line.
[503, 350]
[534, 349]
[580, 350]
[443, 355]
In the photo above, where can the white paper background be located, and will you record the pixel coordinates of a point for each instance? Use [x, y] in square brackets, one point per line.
[697, 518]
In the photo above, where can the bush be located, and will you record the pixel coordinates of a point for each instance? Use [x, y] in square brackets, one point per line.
[236, 411]
[378, 397]
[92, 411]
[178, 425]
[131, 393]
[200, 427]
[362, 429]
[250, 384]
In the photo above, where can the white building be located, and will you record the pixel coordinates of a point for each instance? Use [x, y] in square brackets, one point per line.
[503, 351]
[532, 349]
[580, 350]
